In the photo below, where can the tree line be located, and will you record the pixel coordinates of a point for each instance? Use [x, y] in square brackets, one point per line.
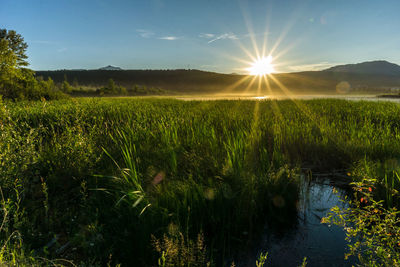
[16, 80]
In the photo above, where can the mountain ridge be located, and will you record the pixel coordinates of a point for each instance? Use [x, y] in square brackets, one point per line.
[109, 67]
[368, 67]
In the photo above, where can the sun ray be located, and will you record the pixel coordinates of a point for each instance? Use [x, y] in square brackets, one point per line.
[291, 96]
[246, 51]
[266, 33]
[286, 29]
[275, 107]
[236, 84]
[250, 85]
[246, 62]
[259, 85]
[250, 31]
[287, 49]
[284, 89]
[314, 118]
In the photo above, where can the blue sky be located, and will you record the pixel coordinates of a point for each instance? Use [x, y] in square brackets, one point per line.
[203, 34]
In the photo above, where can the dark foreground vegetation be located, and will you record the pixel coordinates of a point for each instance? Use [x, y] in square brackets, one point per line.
[146, 182]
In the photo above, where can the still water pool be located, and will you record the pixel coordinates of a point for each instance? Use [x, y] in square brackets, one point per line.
[323, 245]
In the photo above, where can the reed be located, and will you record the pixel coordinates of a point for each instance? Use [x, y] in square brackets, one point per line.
[221, 168]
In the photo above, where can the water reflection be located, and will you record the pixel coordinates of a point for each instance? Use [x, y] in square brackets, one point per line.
[283, 97]
[321, 244]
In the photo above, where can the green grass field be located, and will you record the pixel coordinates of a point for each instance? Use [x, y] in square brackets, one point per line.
[136, 181]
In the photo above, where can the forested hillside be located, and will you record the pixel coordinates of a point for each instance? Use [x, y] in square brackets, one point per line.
[196, 81]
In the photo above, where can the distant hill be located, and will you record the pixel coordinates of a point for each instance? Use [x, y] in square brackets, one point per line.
[371, 67]
[375, 76]
[109, 67]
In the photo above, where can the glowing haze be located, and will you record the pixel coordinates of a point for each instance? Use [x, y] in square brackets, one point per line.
[223, 36]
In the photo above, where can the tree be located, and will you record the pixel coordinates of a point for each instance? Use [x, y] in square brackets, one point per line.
[8, 59]
[16, 81]
[8, 67]
[12, 60]
[122, 90]
[66, 87]
[16, 44]
[111, 86]
[75, 83]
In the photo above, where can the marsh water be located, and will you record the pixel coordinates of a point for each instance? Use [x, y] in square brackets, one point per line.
[284, 97]
[323, 245]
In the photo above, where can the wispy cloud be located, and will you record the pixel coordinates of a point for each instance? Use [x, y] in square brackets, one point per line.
[145, 33]
[224, 36]
[207, 35]
[214, 37]
[169, 38]
[312, 67]
[62, 49]
[149, 34]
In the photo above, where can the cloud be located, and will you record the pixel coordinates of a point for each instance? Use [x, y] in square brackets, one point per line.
[149, 34]
[145, 33]
[169, 38]
[312, 67]
[62, 49]
[215, 37]
[224, 36]
[207, 35]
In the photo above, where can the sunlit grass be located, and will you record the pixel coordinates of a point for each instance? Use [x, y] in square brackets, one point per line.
[191, 166]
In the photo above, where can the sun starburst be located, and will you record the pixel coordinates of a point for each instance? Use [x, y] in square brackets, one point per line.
[261, 66]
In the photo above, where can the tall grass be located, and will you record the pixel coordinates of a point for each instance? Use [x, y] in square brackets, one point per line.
[119, 171]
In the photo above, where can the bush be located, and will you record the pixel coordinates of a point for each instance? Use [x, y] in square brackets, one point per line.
[372, 230]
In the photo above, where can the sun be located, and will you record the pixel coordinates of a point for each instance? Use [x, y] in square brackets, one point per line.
[261, 66]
